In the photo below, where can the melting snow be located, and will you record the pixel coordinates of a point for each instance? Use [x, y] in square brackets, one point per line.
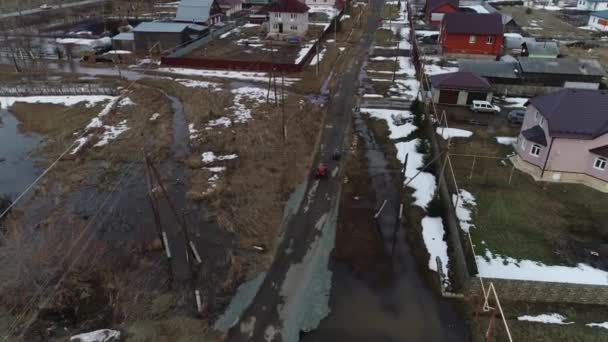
[126, 102]
[154, 116]
[388, 115]
[506, 140]
[304, 52]
[193, 132]
[424, 184]
[239, 75]
[466, 203]
[103, 335]
[210, 157]
[599, 325]
[318, 57]
[516, 102]
[550, 318]
[112, 132]
[88, 100]
[432, 234]
[447, 133]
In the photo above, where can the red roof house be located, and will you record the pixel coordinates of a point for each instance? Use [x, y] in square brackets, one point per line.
[471, 34]
[436, 9]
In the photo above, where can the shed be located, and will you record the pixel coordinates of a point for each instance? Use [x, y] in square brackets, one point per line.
[460, 88]
[124, 41]
[500, 72]
[562, 72]
[539, 49]
[164, 35]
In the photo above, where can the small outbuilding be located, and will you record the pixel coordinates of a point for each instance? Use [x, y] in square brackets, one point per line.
[124, 41]
[460, 88]
[539, 49]
[164, 35]
[599, 20]
[436, 9]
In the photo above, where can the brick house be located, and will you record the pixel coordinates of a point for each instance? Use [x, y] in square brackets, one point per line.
[466, 33]
[435, 10]
[564, 138]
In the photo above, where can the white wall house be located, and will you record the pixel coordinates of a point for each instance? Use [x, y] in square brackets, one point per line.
[287, 18]
[230, 7]
[599, 20]
[592, 5]
[288, 23]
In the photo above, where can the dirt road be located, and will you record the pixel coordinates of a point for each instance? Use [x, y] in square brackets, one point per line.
[288, 299]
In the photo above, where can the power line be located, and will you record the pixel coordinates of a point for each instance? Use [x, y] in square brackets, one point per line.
[28, 307]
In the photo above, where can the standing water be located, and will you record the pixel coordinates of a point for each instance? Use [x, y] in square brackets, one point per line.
[17, 169]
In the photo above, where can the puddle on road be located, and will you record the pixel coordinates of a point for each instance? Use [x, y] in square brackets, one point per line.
[405, 309]
[17, 170]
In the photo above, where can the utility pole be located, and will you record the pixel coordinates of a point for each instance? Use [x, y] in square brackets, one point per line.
[318, 58]
[283, 109]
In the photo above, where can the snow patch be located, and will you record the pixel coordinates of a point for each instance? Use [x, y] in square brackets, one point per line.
[506, 140]
[126, 102]
[154, 116]
[550, 318]
[318, 57]
[599, 325]
[432, 234]
[103, 335]
[88, 100]
[464, 203]
[388, 115]
[516, 102]
[424, 184]
[111, 133]
[447, 133]
[210, 157]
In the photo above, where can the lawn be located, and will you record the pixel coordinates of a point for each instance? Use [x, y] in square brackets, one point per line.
[390, 12]
[547, 222]
[576, 317]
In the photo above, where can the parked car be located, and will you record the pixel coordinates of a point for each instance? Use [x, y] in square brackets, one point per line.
[484, 107]
[516, 116]
[321, 171]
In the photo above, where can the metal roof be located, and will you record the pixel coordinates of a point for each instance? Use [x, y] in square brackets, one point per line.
[460, 80]
[124, 36]
[288, 6]
[489, 68]
[600, 151]
[473, 23]
[575, 113]
[600, 14]
[433, 4]
[535, 134]
[562, 66]
[549, 49]
[194, 10]
[160, 26]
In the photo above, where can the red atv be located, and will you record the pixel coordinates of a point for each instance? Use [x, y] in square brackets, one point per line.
[321, 171]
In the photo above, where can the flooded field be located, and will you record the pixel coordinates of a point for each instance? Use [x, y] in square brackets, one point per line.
[17, 170]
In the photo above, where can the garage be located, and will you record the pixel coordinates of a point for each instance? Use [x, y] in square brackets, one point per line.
[448, 97]
[460, 88]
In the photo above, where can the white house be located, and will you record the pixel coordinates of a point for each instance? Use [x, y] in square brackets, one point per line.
[592, 5]
[599, 20]
[287, 18]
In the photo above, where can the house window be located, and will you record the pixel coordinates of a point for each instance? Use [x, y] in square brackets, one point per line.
[275, 26]
[600, 163]
[490, 40]
[472, 39]
[536, 116]
[277, 15]
[542, 120]
[535, 150]
[293, 15]
[294, 27]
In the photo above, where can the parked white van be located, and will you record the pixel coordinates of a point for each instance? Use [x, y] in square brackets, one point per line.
[484, 107]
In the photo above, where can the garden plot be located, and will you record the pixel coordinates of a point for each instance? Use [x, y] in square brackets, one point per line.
[523, 229]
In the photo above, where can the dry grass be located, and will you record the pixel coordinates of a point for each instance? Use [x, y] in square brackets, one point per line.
[542, 23]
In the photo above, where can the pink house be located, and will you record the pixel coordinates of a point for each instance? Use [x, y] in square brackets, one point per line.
[564, 138]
